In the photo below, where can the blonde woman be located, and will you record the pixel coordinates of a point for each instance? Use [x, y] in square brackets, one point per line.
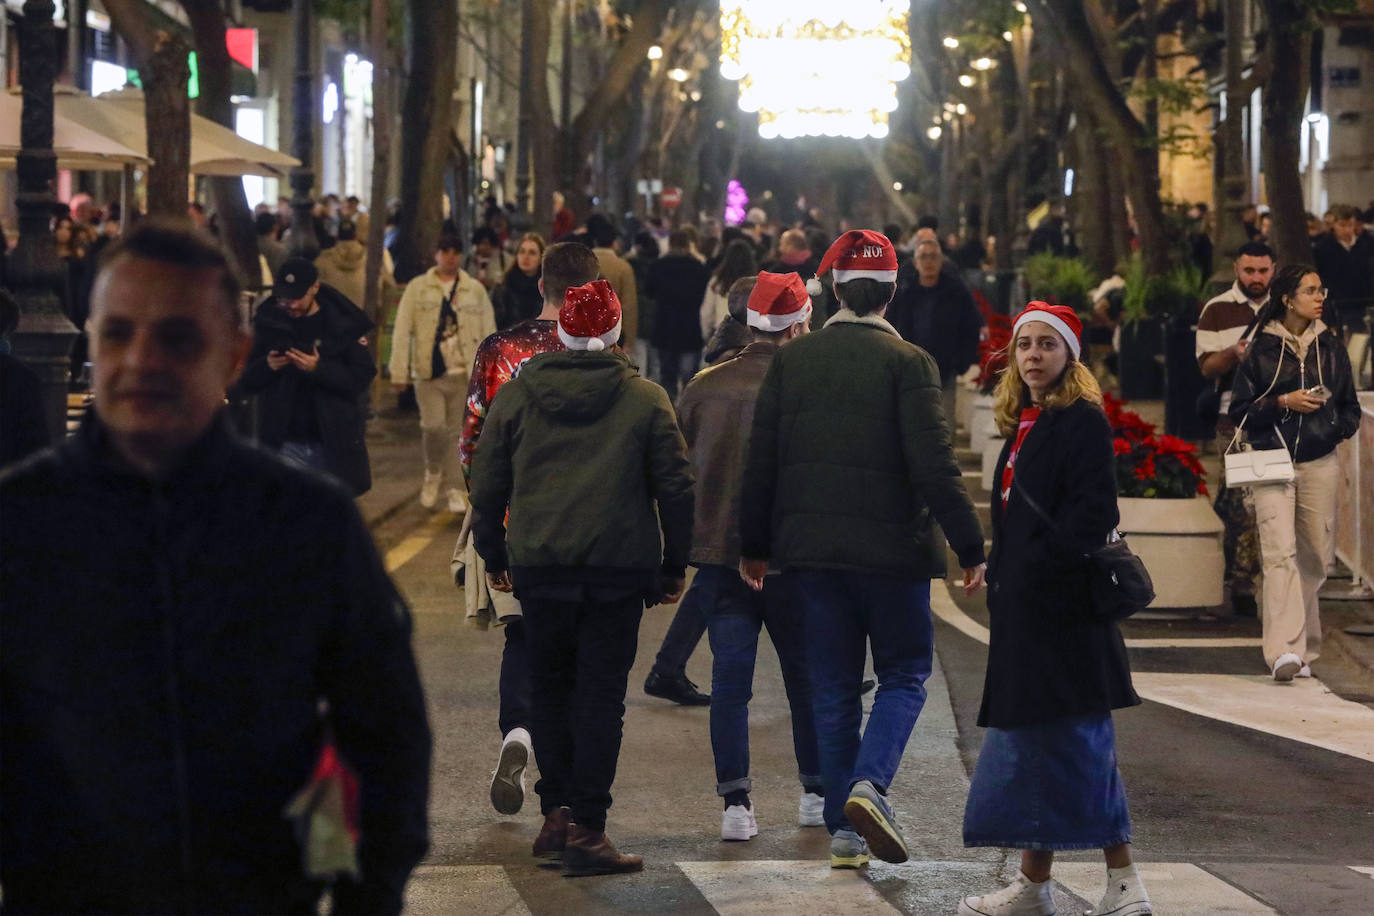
[1046, 777]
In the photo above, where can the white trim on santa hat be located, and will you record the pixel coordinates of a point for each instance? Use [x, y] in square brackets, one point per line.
[882, 276]
[604, 342]
[772, 324]
[1054, 321]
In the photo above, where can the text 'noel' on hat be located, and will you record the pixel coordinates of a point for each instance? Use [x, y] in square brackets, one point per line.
[1060, 317]
[778, 302]
[590, 317]
[861, 254]
[295, 278]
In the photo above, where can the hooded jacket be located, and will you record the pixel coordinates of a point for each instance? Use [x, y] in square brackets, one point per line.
[344, 267]
[1278, 362]
[417, 321]
[342, 375]
[582, 451]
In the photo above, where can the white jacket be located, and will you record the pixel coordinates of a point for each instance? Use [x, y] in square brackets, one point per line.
[417, 320]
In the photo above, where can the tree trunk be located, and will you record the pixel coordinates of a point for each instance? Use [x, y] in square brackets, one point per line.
[1232, 188]
[381, 160]
[237, 233]
[426, 130]
[1094, 89]
[1092, 188]
[1285, 91]
[162, 64]
[542, 128]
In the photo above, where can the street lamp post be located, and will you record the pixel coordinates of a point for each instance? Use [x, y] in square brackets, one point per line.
[44, 337]
[524, 131]
[300, 237]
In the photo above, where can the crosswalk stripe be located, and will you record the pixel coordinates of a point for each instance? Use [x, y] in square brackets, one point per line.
[473, 890]
[783, 888]
[411, 546]
[1177, 888]
[1367, 871]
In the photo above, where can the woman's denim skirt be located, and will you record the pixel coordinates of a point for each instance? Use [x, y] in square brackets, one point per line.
[1048, 786]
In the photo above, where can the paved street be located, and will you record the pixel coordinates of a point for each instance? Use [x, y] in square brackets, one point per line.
[1247, 797]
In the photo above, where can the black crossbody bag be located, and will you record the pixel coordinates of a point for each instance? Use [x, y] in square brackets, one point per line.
[1119, 583]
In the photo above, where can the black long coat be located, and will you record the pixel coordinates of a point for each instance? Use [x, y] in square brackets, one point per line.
[1048, 658]
[343, 374]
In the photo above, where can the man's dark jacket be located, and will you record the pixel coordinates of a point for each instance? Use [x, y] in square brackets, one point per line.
[344, 371]
[950, 332]
[716, 413]
[1348, 275]
[1049, 657]
[850, 458]
[164, 651]
[589, 459]
[677, 283]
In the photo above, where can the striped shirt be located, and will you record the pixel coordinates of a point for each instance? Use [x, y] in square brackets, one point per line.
[1222, 322]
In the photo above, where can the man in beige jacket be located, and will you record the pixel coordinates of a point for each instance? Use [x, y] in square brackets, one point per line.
[444, 315]
[619, 274]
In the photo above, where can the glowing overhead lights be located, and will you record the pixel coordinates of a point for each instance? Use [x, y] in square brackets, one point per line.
[934, 132]
[1020, 7]
[951, 42]
[961, 108]
[949, 106]
[984, 63]
[966, 81]
[896, 185]
[813, 68]
[695, 95]
[1006, 36]
[677, 75]
[655, 52]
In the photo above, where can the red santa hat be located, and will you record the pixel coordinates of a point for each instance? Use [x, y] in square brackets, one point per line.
[778, 302]
[861, 254]
[590, 317]
[1060, 317]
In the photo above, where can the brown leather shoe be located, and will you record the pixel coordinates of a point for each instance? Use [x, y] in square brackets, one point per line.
[589, 852]
[553, 835]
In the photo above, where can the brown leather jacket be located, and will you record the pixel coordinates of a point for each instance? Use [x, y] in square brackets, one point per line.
[716, 413]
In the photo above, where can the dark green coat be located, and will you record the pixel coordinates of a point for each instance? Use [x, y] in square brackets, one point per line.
[850, 457]
[589, 459]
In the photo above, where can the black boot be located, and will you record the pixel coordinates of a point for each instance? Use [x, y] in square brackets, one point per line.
[678, 689]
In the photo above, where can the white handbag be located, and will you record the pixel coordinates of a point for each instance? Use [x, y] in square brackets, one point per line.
[1252, 467]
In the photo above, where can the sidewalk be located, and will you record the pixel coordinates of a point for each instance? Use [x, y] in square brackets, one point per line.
[393, 447]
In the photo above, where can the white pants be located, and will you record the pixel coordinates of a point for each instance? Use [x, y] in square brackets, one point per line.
[441, 402]
[1296, 523]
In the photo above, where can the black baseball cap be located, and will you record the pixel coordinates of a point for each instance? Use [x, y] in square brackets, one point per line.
[295, 278]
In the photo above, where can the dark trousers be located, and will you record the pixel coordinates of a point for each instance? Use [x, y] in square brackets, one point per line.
[580, 656]
[844, 610]
[734, 615]
[686, 630]
[515, 678]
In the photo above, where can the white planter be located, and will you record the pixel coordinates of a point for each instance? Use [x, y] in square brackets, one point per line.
[991, 453]
[981, 427]
[1179, 541]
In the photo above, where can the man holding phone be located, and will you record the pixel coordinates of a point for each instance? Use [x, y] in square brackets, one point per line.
[308, 367]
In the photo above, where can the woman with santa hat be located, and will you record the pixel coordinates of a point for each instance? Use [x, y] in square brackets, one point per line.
[1047, 778]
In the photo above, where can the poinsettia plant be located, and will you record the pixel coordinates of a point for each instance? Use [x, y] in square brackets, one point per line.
[1151, 465]
[992, 348]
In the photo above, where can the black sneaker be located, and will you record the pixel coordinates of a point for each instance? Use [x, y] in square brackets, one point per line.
[1244, 606]
[678, 689]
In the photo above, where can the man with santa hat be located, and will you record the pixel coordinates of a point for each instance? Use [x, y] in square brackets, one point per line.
[588, 458]
[849, 467]
[716, 412]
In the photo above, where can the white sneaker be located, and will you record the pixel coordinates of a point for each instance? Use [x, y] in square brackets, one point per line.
[738, 823]
[811, 810]
[457, 503]
[1304, 671]
[1287, 665]
[508, 779]
[1125, 895]
[429, 490]
[1023, 897]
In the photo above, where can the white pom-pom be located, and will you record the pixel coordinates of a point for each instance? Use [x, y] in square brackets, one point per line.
[813, 287]
[596, 343]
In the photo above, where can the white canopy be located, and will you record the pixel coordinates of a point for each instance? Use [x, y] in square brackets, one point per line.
[76, 147]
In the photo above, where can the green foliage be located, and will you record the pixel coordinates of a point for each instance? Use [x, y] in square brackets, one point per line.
[1062, 281]
[1177, 292]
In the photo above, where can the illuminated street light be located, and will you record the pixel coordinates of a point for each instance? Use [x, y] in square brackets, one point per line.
[677, 75]
[696, 95]
[896, 185]
[1006, 36]
[951, 42]
[655, 52]
[984, 63]
[966, 81]
[934, 132]
[961, 108]
[787, 56]
[1020, 7]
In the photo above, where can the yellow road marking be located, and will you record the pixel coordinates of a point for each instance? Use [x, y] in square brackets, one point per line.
[421, 538]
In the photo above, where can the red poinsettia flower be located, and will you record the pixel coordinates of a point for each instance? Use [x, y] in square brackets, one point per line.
[1121, 446]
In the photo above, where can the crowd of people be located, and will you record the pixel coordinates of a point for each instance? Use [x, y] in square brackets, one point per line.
[772, 407]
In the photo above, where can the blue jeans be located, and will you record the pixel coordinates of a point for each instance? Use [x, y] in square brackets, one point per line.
[676, 368]
[845, 610]
[681, 640]
[734, 615]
